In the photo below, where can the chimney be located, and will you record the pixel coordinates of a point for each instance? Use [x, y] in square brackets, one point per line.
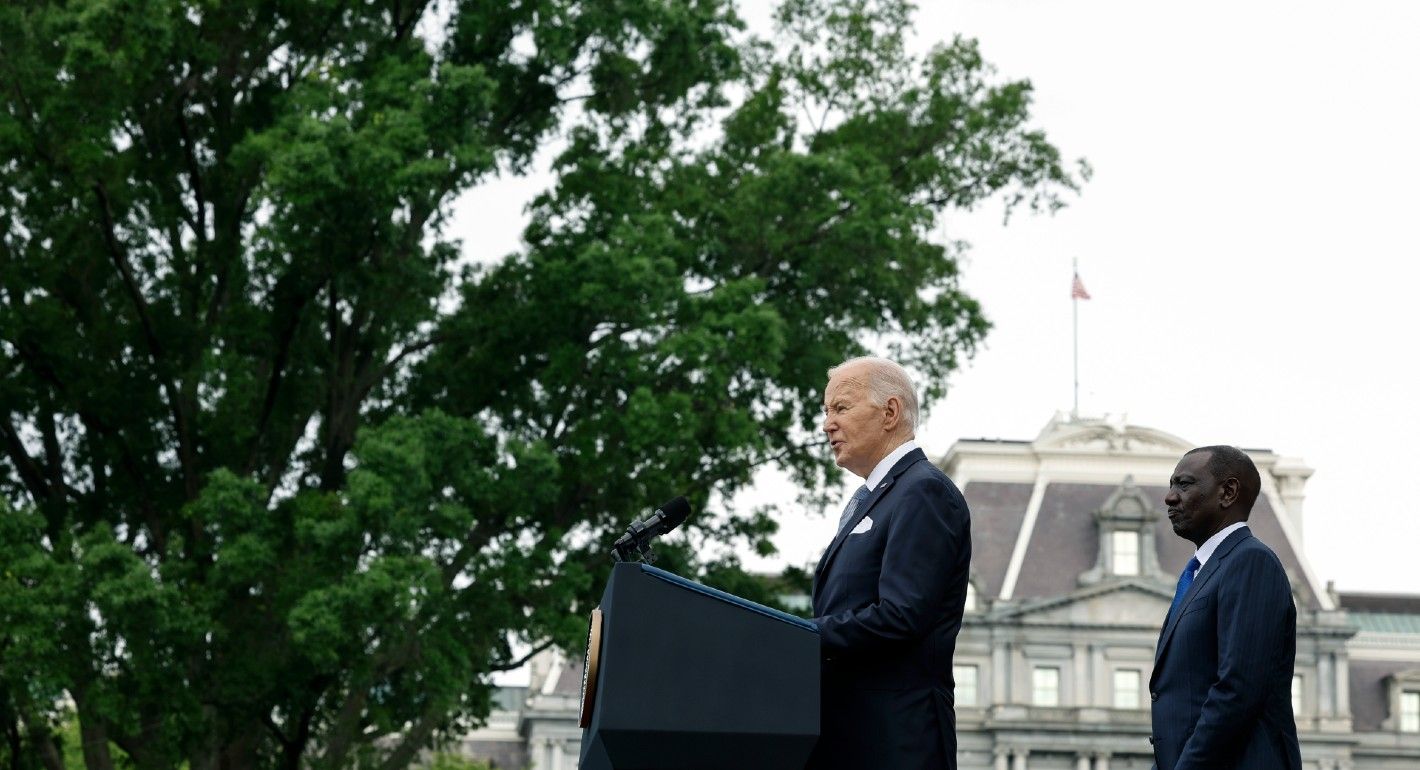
[1291, 475]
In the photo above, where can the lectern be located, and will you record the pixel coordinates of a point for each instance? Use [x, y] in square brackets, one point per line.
[680, 675]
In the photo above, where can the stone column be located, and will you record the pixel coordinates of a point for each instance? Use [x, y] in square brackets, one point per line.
[1082, 762]
[1099, 679]
[1102, 761]
[1000, 677]
[1020, 676]
[1018, 759]
[1083, 692]
[1343, 685]
[1325, 703]
[539, 751]
[1003, 759]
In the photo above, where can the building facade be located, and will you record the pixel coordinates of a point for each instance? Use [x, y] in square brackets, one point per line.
[1073, 569]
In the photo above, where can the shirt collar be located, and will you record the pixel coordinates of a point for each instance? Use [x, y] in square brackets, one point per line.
[1205, 551]
[884, 465]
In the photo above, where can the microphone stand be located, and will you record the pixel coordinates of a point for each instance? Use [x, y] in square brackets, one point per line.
[633, 546]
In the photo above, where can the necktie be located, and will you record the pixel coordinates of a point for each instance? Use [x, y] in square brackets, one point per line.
[1184, 581]
[853, 503]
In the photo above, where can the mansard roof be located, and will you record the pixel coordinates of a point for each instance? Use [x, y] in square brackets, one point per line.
[1033, 505]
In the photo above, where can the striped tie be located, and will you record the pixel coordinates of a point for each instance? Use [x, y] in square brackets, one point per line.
[853, 503]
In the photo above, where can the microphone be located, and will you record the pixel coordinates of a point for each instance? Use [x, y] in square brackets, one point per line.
[639, 535]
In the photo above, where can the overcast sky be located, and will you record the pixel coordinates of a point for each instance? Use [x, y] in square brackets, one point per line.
[1249, 238]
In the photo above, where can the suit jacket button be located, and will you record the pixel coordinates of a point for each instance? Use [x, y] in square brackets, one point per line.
[1153, 696]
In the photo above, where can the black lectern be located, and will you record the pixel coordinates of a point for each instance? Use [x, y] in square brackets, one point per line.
[684, 676]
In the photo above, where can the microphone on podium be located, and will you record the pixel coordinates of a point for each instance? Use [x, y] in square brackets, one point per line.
[637, 540]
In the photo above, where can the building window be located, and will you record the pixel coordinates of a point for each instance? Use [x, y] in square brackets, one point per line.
[1126, 688]
[965, 677]
[1410, 712]
[1125, 552]
[1046, 681]
[1296, 694]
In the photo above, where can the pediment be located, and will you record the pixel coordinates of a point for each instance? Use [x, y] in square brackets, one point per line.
[1127, 602]
[1108, 436]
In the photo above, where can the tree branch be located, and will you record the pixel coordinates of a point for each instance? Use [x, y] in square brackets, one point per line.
[345, 727]
[295, 305]
[194, 172]
[522, 661]
[186, 456]
[415, 739]
[30, 473]
[403, 26]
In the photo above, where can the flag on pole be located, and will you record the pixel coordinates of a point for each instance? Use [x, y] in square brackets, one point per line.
[1077, 289]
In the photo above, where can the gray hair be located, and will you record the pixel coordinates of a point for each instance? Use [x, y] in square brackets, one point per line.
[886, 379]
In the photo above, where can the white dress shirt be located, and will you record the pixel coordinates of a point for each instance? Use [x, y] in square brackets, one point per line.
[1205, 551]
[880, 471]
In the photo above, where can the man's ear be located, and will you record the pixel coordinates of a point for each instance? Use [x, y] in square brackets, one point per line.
[892, 413]
[1228, 492]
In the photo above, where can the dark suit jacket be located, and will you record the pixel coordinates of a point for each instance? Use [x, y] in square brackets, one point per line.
[888, 604]
[1222, 681]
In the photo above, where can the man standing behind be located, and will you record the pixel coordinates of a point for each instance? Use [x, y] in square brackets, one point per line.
[890, 589]
[1222, 678]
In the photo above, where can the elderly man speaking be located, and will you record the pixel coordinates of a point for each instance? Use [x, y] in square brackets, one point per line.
[890, 589]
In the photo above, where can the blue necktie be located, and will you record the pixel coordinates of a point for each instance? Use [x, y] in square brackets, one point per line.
[853, 503]
[1184, 581]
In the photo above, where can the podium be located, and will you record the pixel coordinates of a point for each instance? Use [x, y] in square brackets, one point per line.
[680, 675]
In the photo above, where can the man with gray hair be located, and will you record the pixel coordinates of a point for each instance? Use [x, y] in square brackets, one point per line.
[890, 590]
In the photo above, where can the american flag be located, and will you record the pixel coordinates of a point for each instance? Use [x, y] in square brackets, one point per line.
[1077, 289]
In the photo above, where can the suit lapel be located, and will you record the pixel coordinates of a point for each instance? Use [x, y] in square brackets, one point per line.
[877, 494]
[843, 532]
[1215, 563]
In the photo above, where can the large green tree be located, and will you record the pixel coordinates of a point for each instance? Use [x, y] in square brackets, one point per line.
[286, 478]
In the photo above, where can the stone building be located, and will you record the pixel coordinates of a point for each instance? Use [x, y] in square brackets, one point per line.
[1073, 569]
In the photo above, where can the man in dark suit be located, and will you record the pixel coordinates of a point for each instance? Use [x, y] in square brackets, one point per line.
[890, 589]
[1222, 681]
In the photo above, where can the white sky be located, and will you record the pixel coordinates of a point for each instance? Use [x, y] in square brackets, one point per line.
[1249, 239]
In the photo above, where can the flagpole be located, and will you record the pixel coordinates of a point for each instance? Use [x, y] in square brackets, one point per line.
[1075, 313]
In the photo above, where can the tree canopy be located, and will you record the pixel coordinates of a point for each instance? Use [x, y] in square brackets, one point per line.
[288, 472]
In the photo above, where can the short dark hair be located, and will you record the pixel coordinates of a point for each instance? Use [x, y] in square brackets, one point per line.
[1228, 462]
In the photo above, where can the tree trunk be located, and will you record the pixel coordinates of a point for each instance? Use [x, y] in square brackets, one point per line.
[95, 743]
[43, 742]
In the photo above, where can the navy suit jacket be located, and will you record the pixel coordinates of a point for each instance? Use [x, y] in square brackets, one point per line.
[1222, 681]
[888, 604]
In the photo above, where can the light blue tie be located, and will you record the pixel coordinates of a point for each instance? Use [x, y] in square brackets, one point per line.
[853, 503]
[1184, 581]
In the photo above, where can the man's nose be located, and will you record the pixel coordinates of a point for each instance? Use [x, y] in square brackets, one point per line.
[1171, 497]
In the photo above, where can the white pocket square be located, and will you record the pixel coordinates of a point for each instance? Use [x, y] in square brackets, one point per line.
[863, 526]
